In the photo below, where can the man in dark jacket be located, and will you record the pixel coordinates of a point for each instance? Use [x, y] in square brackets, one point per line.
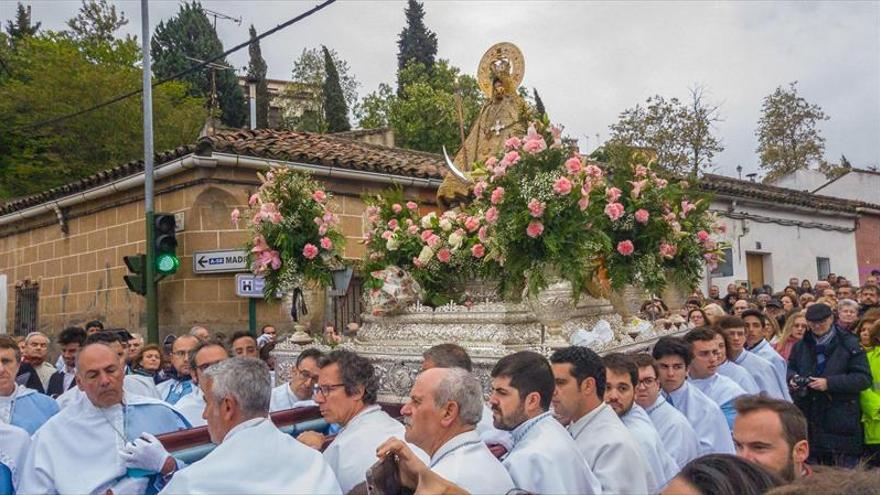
[71, 339]
[826, 371]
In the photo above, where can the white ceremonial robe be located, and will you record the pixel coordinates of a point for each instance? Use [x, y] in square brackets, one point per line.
[739, 375]
[491, 435]
[192, 406]
[353, 450]
[780, 365]
[546, 460]
[283, 398]
[676, 433]
[466, 461]
[14, 443]
[661, 463]
[723, 391]
[611, 452]
[168, 387]
[77, 451]
[132, 384]
[706, 418]
[763, 373]
[234, 467]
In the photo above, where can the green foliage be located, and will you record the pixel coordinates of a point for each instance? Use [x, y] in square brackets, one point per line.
[96, 22]
[257, 70]
[335, 111]
[540, 111]
[23, 26]
[304, 102]
[788, 139]
[190, 34]
[415, 44]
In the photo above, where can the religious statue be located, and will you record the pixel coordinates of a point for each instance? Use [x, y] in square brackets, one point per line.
[503, 115]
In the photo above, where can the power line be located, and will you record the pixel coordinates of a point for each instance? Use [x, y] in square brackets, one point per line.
[180, 74]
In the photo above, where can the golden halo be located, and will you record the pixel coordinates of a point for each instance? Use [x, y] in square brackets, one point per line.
[500, 51]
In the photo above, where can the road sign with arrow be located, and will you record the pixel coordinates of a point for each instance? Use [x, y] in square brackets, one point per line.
[220, 261]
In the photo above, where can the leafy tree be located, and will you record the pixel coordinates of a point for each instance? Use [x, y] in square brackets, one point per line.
[679, 133]
[415, 44]
[257, 71]
[788, 138]
[96, 22]
[23, 26]
[540, 111]
[303, 104]
[190, 34]
[335, 111]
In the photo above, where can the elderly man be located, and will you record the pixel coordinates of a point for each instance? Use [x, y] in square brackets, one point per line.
[206, 354]
[135, 345]
[346, 393]
[237, 394]
[298, 392]
[544, 459]
[14, 443]
[35, 370]
[200, 332]
[444, 407]
[176, 388]
[607, 445]
[71, 339]
[77, 450]
[244, 345]
[772, 433]
[20, 406]
[734, 329]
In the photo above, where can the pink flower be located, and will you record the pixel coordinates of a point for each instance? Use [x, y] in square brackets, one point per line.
[491, 162]
[613, 194]
[326, 243]
[478, 251]
[510, 158]
[660, 183]
[642, 216]
[318, 220]
[413, 229]
[573, 165]
[482, 234]
[387, 234]
[536, 208]
[709, 245]
[593, 171]
[584, 203]
[641, 171]
[687, 207]
[480, 188]
[668, 250]
[373, 219]
[426, 234]
[310, 251]
[497, 196]
[235, 216]
[625, 248]
[268, 211]
[562, 186]
[433, 241]
[393, 224]
[260, 245]
[319, 196]
[372, 210]
[412, 205]
[534, 142]
[556, 132]
[513, 143]
[638, 185]
[253, 199]
[329, 218]
[444, 255]
[472, 224]
[500, 170]
[703, 236]
[323, 229]
[534, 229]
[418, 263]
[396, 208]
[614, 210]
[492, 215]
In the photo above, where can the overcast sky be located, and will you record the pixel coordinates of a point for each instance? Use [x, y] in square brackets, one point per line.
[591, 60]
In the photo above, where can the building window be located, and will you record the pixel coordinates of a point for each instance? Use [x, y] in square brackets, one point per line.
[823, 267]
[27, 298]
[725, 269]
[348, 308]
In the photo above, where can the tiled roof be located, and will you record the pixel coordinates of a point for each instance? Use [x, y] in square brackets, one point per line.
[304, 147]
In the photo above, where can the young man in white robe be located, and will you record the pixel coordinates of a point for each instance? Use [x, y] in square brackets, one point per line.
[20, 406]
[298, 391]
[676, 433]
[544, 458]
[171, 391]
[204, 355]
[444, 408]
[673, 355]
[346, 394]
[702, 372]
[756, 343]
[14, 443]
[731, 370]
[734, 329]
[609, 448]
[237, 392]
[620, 393]
[77, 451]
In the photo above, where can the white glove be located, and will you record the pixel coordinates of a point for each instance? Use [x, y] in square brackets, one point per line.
[129, 486]
[146, 453]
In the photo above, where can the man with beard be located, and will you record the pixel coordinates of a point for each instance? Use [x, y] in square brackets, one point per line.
[702, 372]
[544, 459]
[622, 375]
[601, 437]
[772, 433]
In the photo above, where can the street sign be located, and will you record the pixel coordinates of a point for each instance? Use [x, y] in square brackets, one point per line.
[233, 260]
[248, 285]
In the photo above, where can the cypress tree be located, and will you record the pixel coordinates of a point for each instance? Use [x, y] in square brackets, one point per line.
[23, 25]
[335, 109]
[416, 43]
[539, 104]
[257, 71]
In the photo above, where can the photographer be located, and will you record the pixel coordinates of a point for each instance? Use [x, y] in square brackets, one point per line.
[826, 371]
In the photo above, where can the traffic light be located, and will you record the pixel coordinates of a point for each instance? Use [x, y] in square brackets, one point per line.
[137, 281]
[165, 244]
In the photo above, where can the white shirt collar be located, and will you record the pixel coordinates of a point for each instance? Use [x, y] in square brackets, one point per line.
[456, 442]
[250, 423]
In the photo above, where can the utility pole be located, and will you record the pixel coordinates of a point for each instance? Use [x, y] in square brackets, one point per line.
[223, 16]
[152, 295]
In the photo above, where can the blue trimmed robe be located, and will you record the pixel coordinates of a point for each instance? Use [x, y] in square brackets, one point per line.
[14, 443]
[763, 373]
[706, 418]
[780, 366]
[723, 391]
[740, 376]
[30, 409]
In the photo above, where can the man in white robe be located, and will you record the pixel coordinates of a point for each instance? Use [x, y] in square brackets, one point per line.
[620, 393]
[444, 407]
[702, 372]
[733, 327]
[77, 450]
[298, 391]
[544, 459]
[20, 406]
[676, 433]
[171, 391]
[673, 355]
[734, 371]
[346, 393]
[14, 443]
[204, 355]
[756, 323]
[609, 448]
[237, 392]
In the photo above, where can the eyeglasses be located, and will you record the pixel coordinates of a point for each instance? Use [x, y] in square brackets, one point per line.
[325, 389]
[647, 382]
[305, 375]
[181, 354]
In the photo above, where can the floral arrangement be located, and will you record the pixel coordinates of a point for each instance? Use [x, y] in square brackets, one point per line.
[294, 236]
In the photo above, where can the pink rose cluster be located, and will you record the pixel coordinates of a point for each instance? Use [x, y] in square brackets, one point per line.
[533, 142]
[667, 250]
[614, 211]
[625, 248]
[536, 208]
[264, 256]
[534, 229]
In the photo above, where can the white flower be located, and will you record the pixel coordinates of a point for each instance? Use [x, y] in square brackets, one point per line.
[445, 224]
[428, 219]
[392, 244]
[426, 254]
[449, 215]
[455, 240]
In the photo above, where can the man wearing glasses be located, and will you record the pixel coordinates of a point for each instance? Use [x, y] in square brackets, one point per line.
[205, 354]
[673, 355]
[675, 431]
[298, 392]
[703, 372]
[176, 388]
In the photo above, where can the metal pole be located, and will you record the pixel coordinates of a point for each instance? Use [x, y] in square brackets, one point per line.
[252, 316]
[150, 269]
[252, 91]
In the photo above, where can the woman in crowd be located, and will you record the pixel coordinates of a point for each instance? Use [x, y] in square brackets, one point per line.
[713, 312]
[870, 397]
[697, 318]
[806, 287]
[805, 299]
[150, 362]
[847, 314]
[789, 302]
[722, 474]
[792, 333]
[772, 331]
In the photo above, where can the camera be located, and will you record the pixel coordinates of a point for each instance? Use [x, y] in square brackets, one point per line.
[801, 384]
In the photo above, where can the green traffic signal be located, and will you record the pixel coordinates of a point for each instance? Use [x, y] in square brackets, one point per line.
[165, 244]
[167, 263]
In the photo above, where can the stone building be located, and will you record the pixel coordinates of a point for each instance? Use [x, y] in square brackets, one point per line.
[61, 251]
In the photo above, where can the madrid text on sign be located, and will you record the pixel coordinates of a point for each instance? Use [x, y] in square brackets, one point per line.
[219, 261]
